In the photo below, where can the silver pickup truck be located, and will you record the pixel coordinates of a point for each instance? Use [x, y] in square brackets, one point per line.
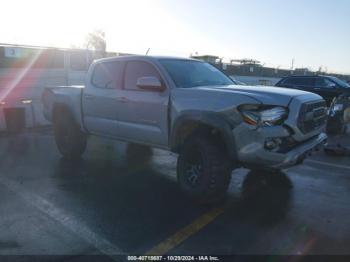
[191, 108]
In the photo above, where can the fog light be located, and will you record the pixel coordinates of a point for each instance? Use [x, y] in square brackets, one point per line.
[272, 143]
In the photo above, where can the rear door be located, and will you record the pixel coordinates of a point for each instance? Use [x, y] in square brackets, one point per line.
[100, 98]
[142, 114]
[302, 83]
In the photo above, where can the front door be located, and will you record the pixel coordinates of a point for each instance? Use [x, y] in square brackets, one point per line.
[326, 88]
[142, 114]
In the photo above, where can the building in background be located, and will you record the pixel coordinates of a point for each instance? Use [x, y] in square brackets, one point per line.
[212, 59]
[252, 72]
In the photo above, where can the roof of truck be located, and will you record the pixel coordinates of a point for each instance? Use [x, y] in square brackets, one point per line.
[143, 57]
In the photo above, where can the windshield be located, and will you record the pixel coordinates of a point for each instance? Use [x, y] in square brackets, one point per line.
[191, 73]
[339, 82]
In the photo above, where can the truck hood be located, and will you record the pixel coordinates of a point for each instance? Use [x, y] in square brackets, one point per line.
[263, 94]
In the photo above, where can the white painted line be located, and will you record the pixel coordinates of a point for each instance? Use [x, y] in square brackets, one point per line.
[74, 225]
[327, 164]
[320, 171]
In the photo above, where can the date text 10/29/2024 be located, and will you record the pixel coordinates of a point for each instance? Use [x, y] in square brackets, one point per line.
[173, 258]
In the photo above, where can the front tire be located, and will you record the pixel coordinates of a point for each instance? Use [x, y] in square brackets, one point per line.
[70, 140]
[204, 169]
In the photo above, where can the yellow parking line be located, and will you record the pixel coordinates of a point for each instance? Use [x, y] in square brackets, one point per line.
[184, 233]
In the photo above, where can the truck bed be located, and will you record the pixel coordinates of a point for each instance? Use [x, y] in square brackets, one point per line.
[68, 96]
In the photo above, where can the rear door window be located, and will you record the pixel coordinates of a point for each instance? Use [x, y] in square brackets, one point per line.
[307, 81]
[300, 81]
[288, 81]
[108, 75]
[293, 81]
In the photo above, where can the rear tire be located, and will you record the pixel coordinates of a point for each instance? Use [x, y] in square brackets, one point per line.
[70, 140]
[204, 169]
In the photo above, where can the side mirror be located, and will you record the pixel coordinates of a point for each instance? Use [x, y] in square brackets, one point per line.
[150, 83]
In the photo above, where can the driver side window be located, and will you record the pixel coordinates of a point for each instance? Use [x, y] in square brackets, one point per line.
[325, 83]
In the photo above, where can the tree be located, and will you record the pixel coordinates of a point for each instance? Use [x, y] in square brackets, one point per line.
[96, 40]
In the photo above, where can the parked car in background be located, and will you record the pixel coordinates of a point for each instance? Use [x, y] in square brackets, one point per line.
[328, 87]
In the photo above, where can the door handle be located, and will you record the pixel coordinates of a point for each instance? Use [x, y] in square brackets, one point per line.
[89, 96]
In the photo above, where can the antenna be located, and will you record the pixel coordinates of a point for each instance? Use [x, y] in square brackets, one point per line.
[148, 51]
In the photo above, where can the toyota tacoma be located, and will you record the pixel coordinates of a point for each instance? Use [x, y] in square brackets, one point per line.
[193, 109]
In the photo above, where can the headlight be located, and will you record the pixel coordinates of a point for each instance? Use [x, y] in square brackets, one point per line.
[334, 109]
[338, 107]
[257, 115]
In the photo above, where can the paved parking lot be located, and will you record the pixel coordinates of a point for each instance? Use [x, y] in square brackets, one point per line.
[117, 200]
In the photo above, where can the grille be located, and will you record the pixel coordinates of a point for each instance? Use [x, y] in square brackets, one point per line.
[312, 116]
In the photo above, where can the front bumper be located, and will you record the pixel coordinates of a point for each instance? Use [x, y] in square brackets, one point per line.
[253, 154]
[298, 154]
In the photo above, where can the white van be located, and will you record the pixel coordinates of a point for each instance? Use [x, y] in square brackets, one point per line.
[26, 70]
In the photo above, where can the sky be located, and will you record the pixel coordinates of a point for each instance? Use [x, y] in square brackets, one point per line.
[312, 32]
